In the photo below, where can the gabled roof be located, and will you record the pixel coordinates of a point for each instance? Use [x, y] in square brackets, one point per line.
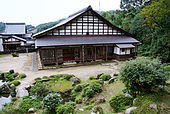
[14, 28]
[71, 17]
[75, 15]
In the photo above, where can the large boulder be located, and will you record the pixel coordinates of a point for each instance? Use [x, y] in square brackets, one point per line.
[21, 92]
[75, 81]
[5, 89]
[129, 110]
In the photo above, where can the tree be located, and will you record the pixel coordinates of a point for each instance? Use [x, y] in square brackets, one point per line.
[142, 75]
[154, 13]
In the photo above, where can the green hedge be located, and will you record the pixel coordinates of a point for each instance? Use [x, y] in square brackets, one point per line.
[15, 82]
[120, 103]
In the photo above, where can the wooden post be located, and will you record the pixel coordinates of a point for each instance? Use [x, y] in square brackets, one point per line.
[95, 53]
[83, 52]
[106, 51]
[92, 56]
[56, 56]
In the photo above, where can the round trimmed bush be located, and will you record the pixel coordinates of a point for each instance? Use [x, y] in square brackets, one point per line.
[15, 82]
[120, 103]
[45, 77]
[65, 109]
[51, 101]
[68, 76]
[27, 103]
[39, 90]
[78, 88]
[78, 100]
[11, 71]
[92, 78]
[105, 77]
[22, 75]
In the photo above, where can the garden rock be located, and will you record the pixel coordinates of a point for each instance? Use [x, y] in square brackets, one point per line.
[45, 80]
[97, 108]
[31, 110]
[12, 85]
[5, 89]
[98, 76]
[154, 106]
[129, 110]
[74, 81]
[111, 80]
[128, 95]
[82, 110]
[21, 92]
[100, 100]
[28, 87]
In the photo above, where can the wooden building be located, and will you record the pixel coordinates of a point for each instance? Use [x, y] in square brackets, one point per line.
[84, 36]
[15, 38]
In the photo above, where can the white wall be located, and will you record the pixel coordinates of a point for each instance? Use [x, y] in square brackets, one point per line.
[1, 46]
[120, 52]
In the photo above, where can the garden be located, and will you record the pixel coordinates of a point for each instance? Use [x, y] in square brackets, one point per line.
[143, 90]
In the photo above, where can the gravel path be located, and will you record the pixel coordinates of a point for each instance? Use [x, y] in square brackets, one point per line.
[23, 64]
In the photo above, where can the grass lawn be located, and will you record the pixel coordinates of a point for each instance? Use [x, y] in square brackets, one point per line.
[60, 85]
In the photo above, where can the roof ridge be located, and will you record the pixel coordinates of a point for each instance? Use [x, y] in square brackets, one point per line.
[84, 9]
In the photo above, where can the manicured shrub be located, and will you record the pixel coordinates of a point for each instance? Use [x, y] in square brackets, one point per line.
[15, 82]
[92, 89]
[142, 74]
[78, 100]
[84, 85]
[22, 75]
[38, 80]
[15, 54]
[65, 109]
[10, 109]
[39, 90]
[89, 92]
[70, 103]
[68, 76]
[13, 92]
[105, 77]
[78, 88]
[92, 78]
[27, 103]
[10, 77]
[11, 71]
[96, 87]
[45, 77]
[120, 103]
[89, 107]
[74, 94]
[56, 77]
[51, 101]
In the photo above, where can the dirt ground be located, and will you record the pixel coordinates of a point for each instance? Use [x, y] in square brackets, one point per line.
[23, 64]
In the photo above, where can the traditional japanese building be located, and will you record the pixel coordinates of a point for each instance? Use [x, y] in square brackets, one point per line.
[84, 36]
[15, 38]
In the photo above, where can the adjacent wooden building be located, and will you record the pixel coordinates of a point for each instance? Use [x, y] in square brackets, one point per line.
[15, 38]
[84, 36]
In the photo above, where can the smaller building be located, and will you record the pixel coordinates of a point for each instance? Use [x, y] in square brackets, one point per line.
[15, 38]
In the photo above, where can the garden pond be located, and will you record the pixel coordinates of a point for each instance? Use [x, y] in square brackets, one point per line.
[4, 98]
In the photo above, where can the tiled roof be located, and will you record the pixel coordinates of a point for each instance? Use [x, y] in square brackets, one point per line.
[14, 28]
[83, 40]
